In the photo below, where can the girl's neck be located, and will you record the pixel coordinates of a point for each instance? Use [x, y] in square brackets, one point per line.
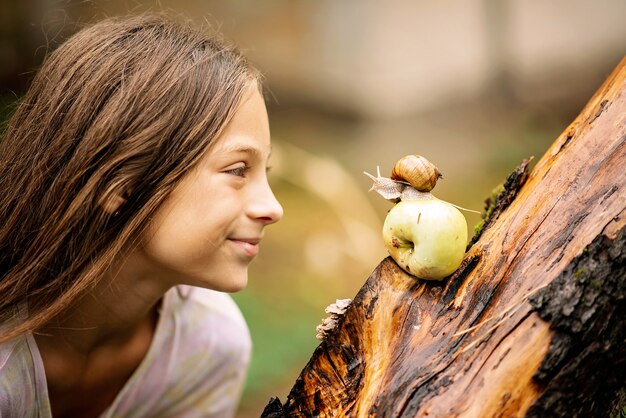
[91, 351]
[126, 298]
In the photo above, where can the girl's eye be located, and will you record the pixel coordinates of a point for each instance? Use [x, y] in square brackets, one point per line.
[239, 171]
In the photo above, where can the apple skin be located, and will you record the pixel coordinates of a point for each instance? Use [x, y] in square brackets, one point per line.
[426, 237]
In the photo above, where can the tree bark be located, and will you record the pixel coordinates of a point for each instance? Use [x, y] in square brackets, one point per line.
[531, 324]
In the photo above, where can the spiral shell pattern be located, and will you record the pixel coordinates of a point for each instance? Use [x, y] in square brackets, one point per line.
[417, 171]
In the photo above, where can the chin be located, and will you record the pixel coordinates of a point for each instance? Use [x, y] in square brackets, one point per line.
[234, 287]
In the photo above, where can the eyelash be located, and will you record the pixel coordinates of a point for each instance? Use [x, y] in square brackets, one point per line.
[239, 171]
[243, 170]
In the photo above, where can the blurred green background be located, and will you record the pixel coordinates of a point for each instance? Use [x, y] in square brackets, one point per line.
[473, 85]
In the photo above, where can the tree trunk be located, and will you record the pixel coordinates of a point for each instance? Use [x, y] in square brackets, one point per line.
[532, 323]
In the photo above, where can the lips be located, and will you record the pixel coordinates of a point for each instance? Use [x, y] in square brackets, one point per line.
[249, 246]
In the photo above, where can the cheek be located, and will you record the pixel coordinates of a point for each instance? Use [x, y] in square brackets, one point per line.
[189, 231]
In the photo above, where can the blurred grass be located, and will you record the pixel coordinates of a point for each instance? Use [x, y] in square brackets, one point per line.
[273, 358]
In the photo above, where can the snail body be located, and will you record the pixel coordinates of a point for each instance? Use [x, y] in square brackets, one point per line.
[424, 235]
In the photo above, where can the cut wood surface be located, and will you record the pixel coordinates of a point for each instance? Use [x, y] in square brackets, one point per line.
[532, 324]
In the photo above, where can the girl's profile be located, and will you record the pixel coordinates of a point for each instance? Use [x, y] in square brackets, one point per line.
[134, 194]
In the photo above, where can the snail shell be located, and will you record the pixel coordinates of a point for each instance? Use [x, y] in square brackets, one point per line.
[417, 171]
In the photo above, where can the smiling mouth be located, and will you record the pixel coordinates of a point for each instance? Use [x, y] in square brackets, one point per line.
[249, 246]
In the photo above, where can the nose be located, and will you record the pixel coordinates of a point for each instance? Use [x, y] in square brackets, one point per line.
[265, 206]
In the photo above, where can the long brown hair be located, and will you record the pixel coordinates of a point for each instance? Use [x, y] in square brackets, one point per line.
[123, 108]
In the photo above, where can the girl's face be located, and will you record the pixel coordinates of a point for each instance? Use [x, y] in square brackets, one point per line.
[208, 230]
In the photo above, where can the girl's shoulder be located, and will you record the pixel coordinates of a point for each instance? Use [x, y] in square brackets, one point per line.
[15, 352]
[23, 389]
[197, 362]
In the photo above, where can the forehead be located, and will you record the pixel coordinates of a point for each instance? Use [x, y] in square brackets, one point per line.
[248, 130]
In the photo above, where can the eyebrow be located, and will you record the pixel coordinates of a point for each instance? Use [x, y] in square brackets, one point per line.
[254, 152]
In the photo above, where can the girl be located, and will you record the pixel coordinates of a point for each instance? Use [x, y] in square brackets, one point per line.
[133, 192]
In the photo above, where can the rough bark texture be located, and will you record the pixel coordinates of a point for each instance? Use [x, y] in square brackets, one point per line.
[532, 323]
[585, 368]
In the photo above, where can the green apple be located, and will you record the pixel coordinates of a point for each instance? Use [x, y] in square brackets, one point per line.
[426, 237]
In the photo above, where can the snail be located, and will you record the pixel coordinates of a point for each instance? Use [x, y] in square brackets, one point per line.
[426, 236]
[417, 171]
